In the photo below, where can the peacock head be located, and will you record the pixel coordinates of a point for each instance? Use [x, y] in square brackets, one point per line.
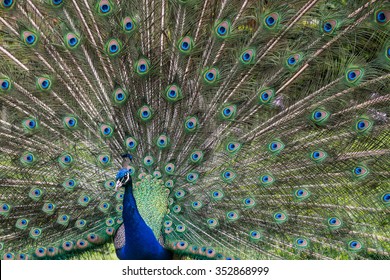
[123, 178]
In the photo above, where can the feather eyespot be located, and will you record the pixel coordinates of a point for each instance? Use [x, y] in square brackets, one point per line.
[104, 160]
[104, 7]
[276, 146]
[131, 143]
[294, 60]
[28, 159]
[36, 193]
[192, 177]
[385, 198]
[180, 228]
[128, 25]
[329, 26]
[248, 56]
[5, 84]
[266, 96]
[40, 252]
[22, 223]
[43, 83]
[301, 194]
[176, 209]
[266, 180]
[57, 3]
[162, 141]
[169, 184]
[382, 17]
[249, 202]
[104, 206]
[81, 244]
[7, 4]
[217, 195]
[232, 147]
[70, 122]
[301, 243]
[113, 47]
[280, 217]
[228, 112]
[179, 194]
[363, 125]
[49, 208]
[354, 76]
[212, 223]
[191, 124]
[196, 156]
[72, 41]
[145, 113]
[186, 44]
[119, 96]
[30, 125]
[84, 200]
[211, 76]
[109, 184]
[29, 38]
[182, 245]
[148, 161]
[222, 30]
[360, 171]
[169, 168]
[196, 205]
[232, 216]
[142, 66]
[334, 223]
[65, 160]
[318, 156]
[228, 175]
[35, 233]
[271, 20]
[354, 245]
[255, 235]
[106, 130]
[81, 223]
[173, 93]
[320, 116]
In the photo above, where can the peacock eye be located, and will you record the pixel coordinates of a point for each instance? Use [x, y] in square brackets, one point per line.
[293, 60]
[57, 2]
[142, 66]
[5, 84]
[7, 3]
[191, 124]
[363, 125]
[104, 7]
[223, 29]
[211, 76]
[354, 76]
[382, 17]
[271, 20]
[328, 27]
[334, 223]
[185, 45]
[113, 47]
[128, 25]
[276, 146]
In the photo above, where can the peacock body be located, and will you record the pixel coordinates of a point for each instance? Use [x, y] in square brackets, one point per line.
[241, 129]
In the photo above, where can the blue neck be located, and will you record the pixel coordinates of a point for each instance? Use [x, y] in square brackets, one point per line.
[141, 244]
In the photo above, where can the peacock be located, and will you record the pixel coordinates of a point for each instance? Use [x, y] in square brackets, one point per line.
[194, 129]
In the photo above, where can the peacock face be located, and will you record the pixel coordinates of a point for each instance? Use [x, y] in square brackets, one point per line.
[122, 178]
